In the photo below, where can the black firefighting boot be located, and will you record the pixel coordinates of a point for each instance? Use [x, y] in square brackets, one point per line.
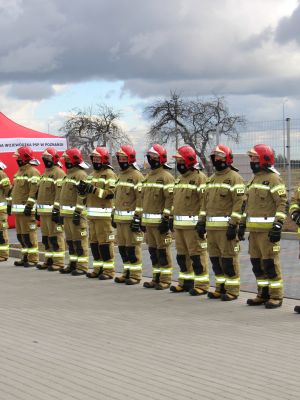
[45, 265]
[261, 298]
[197, 292]
[21, 262]
[214, 295]
[150, 285]
[273, 303]
[78, 272]
[93, 274]
[228, 297]
[297, 309]
[132, 281]
[53, 268]
[120, 279]
[30, 265]
[42, 266]
[256, 301]
[105, 277]
[123, 278]
[187, 285]
[68, 270]
[162, 286]
[177, 289]
[217, 293]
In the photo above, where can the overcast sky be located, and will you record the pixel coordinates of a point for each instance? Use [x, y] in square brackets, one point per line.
[57, 55]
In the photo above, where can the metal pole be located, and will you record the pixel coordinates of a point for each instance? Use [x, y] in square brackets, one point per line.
[176, 143]
[217, 135]
[288, 154]
[283, 132]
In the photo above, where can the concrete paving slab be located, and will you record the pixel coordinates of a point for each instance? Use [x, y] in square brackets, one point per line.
[66, 337]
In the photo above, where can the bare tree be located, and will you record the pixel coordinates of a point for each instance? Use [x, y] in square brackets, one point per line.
[86, 129]
[194, 120]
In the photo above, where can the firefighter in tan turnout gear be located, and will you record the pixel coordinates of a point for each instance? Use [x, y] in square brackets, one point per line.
[265, 213]
[5, 187]
[219, 216]
[156, 201]
[99, 191]
[48, 195]
[192, 255]
[71, 209]
[23, 198]
[294, 212]
[128, 223]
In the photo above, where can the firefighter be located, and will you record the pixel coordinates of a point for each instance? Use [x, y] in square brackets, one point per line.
[265, 214]
[294, 212]
[71, 209]
[156, 203]
[23, 198]
[219, 216]
[48, 195]
[127, 216]
[99, 192]
[192, 255]
[5, 188]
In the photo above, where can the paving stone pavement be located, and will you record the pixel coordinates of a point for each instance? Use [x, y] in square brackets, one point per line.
[66, 337]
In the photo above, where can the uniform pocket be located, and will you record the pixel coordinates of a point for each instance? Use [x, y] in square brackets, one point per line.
[262, 194]
[223, 192]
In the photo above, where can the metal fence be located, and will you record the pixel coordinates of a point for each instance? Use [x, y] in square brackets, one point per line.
[282, 136]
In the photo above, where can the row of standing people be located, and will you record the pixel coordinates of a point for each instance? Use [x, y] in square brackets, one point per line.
[209, 217]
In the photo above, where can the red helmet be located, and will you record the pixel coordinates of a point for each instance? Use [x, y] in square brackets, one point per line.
[50, 151]
[159, 150]
[101, 152]
[265, 154]
[127, 150]
[223, 151]
[24, 153]
[188, 154]
[74, 155]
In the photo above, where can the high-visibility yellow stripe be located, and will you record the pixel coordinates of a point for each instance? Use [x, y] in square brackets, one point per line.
[201, 278]
[278, 188]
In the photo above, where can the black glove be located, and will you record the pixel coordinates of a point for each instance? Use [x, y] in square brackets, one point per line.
[85, 188]
[135, 224]
[164, 227]
[8, 209]
[200, 228]
[241, 231]
[113, 224]
[27, 210]
[37, 215]
[296, 217]
[109, 196]
[55, 215]
[275, 232]
[231, 232]
[76, 218]
[171, 224]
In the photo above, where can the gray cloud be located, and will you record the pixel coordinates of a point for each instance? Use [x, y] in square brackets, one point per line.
[30, 91]
[153, 46]
[289, 28]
